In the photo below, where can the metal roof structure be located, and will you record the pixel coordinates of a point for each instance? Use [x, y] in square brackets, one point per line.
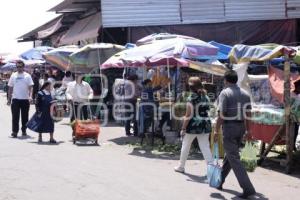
[143, 13]
[134, 13]
[75, 6]
[32, 35]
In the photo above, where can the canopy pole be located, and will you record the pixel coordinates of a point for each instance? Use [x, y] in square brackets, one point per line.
[287, 107]
[144, 72]
[100, 71]
[176, 83]
[169, 88]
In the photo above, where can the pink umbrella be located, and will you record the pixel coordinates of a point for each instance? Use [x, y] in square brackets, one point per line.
[162, 52]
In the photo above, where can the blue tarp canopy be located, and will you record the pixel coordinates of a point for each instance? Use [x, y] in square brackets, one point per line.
[8, 67]
[36, 53]
[223, 52]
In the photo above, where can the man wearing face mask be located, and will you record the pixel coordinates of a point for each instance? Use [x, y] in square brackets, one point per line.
[20, 92]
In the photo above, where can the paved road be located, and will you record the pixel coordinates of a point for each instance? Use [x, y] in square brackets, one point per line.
[111, 171]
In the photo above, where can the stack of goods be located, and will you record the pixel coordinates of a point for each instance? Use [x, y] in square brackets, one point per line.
[265, 122]
[267, 114]
[248, 157]
[160, 80]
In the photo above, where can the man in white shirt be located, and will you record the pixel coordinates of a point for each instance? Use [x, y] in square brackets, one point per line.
[67, 79]
[79, 92]
[19, 94]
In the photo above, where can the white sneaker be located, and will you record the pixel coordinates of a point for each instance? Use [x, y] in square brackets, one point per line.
[179, 169]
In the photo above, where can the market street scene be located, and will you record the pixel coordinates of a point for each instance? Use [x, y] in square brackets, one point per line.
[146, 99]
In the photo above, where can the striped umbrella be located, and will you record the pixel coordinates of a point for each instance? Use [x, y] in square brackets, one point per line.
[92, 56]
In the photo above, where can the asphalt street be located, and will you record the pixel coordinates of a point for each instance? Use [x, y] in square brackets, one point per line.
[112, 171]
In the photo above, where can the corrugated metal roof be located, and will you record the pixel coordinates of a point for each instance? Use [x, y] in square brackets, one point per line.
[293, 8]
[132, 13]
[246, 10]
[126, 13]
[202, 11]
[75, 5]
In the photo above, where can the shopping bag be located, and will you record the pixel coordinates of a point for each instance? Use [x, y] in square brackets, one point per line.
[214, 169]
[220, 141]
[35, 122]
[248, 157]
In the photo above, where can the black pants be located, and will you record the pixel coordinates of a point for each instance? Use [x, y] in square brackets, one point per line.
[232, 139]
[18, 106]
[296, 135]
[35, 90]
[132, 118]
[80, 114]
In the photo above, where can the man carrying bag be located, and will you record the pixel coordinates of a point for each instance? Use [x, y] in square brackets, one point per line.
[233, 104]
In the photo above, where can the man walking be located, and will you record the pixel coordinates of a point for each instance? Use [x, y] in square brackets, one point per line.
[20, 91]
[233, 104]
[79, 93]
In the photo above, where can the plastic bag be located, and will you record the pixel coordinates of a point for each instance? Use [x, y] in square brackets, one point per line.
[248, 157]
[35, 122]
[214, 170]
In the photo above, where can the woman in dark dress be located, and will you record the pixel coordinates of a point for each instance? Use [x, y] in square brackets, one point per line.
[42, 121]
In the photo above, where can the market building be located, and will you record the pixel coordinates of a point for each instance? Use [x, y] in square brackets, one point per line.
[118, 21]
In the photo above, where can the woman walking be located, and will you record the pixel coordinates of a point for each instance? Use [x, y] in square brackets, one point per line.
[42, 121]
[196, 123]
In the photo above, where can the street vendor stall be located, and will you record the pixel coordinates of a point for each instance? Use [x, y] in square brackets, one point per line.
[269, 123]
[163, 58]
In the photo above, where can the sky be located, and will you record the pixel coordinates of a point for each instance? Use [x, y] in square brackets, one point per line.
[18, 17]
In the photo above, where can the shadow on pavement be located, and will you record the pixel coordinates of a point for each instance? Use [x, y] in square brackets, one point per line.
[148, 153]
[275, 166]
[198, 179]
[217, 196]
[153, 152]
[125, 140]
[48, 143]
[112, 125]
[23, 137]
[87, 145]
[258, 196]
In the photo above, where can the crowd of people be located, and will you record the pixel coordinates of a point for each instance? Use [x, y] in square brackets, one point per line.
[25, 89]
[197, 123]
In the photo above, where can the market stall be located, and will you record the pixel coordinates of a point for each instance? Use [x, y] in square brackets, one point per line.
[269, 123]
[161, 59]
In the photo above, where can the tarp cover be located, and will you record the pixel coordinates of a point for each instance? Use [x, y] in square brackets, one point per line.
[276, 77]
[211, 67]
[243, 53]
[50, 30]
[83, 29]
[250, 32]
